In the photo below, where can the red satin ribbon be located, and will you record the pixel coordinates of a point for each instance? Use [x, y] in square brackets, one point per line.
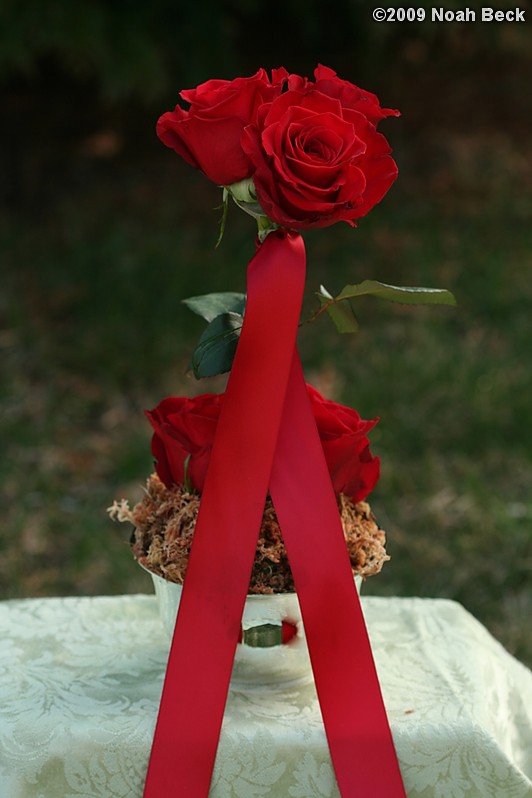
[354, 716]
[266, 436]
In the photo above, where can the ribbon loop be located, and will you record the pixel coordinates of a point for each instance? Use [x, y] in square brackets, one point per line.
[267, 437]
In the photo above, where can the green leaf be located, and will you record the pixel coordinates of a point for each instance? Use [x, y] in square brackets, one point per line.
[343, 317]
[405, 294]
[186, 480]
[225, 209]
[216, 348]
[340, 313]
[209, 306]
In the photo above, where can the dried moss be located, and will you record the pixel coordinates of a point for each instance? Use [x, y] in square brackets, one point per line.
[165, 519]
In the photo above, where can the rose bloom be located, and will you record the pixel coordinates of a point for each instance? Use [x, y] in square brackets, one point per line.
[343, 434]
[317, 156]
[184, 427]
[208, 135]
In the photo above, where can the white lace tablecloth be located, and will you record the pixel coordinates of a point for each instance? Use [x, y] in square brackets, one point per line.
[80, 682]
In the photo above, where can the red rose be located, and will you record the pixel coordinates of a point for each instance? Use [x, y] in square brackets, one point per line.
[353, 469]
[208, 135]
[350, 96]
[184, 427]
[317, 156]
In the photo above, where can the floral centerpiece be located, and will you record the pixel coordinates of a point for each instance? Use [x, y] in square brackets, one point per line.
[165, 518]
[295, 154]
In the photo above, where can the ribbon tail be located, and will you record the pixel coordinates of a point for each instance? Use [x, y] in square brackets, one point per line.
[232, 504]
[354, 716]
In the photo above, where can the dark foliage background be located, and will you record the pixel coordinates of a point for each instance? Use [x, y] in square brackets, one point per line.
[103, 231]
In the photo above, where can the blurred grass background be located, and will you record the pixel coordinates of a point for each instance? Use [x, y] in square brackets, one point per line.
[103, 232]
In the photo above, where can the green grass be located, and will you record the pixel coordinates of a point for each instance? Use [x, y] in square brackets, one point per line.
[94, 333]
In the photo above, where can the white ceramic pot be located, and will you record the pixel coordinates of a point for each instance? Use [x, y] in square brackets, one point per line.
[261, 658]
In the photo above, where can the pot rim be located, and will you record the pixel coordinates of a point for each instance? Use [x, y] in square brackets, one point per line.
[249, 596]
[252, 596]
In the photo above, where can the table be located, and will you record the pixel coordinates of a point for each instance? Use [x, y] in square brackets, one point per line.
[80, 682]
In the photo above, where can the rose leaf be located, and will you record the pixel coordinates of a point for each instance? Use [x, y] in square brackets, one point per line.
[209, 306]
[216, 348]
[224, 207]
[407, 295]
[341, 313]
